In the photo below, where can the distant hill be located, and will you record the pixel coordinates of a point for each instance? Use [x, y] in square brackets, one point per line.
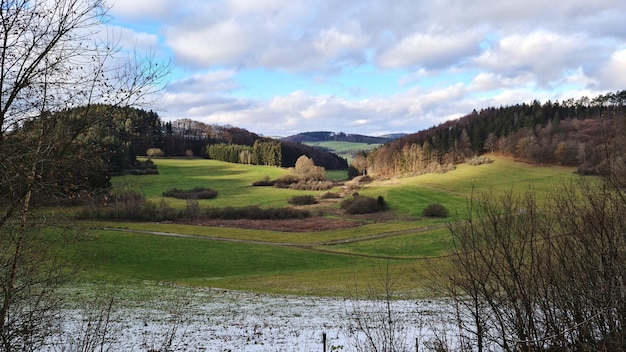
[324, 136]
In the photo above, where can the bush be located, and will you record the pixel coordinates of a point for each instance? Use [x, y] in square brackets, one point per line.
[286, 180]
[479, 160]
[331, 195]
[146, 167]
[196, 193]
[192, 210]
[130, 206]
[312, 185]
[306, 170]
[264, 182]
[154, 153]
[363, 205]
[302, 200]
[435, 210]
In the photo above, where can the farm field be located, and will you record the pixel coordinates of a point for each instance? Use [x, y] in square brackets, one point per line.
[260, 259]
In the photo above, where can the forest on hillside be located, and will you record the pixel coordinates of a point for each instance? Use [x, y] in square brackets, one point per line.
[578, 133]
[108, 139]
[237, 145]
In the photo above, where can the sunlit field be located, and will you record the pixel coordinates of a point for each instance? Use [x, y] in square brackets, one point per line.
[317, 262]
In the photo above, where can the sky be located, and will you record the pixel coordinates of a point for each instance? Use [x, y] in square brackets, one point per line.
[373, 67]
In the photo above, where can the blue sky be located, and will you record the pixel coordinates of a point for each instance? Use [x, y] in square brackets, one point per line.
[280, 67]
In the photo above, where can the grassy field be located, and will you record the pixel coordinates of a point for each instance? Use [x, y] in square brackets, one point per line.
[344, 146]
[453, 189]
[344, 149]
[231, 181]
[320, 263]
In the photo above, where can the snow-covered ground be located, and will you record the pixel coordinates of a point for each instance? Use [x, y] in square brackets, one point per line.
[219, 320]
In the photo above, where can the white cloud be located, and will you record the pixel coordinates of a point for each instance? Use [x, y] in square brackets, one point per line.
[142, 9]
[431, 50]
[214, 82]
[613, 74]
[224, 42]
[448, 57]
[130, 39]
[331, 42]
[489, 82]
[544, 54]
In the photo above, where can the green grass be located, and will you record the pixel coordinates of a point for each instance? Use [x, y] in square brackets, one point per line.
[264, 235]
[160, 258]
[344, 149]
[336, 175]
[416, 245]
[302, 265]
[340, 147]
[231, 181]
[111, 255]
[453, 189]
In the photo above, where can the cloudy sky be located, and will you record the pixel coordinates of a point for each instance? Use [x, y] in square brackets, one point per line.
[279, 67]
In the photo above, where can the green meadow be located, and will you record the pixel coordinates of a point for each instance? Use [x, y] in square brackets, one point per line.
[344, 149]
[317, 262]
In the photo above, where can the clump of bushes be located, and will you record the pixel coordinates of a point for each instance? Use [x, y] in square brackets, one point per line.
[295, 182]
[146, 167]
[285, 181]
[130, 205]
[154, 153]
[331, 195]
[435, 210]
[196, 193]
[312, 185]
[363, 205]
[264, 182]
[302, 200]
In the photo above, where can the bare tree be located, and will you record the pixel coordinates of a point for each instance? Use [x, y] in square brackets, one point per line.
[54, 55]
[306, 169]
[381, 326]
[535, 276]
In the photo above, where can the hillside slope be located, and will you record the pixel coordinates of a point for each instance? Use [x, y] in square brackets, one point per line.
[585, 133]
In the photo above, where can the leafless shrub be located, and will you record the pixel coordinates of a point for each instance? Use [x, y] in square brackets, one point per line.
[381, 326]
[534, 276]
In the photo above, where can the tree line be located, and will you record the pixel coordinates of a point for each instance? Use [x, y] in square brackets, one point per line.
[262, 152]
[565, 133]
[106, 140]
